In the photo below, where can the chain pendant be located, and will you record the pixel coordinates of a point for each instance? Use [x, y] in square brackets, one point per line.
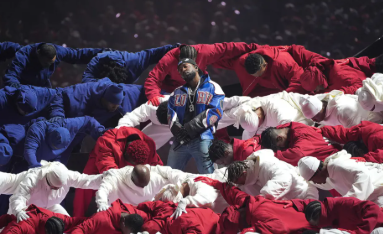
[191, 108]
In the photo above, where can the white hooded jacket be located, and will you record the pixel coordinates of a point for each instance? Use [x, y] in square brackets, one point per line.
[344, 109]
[200, 194]
[278, 109]
[33, 189]
[275, 179]
[362, 180]
[117, 184]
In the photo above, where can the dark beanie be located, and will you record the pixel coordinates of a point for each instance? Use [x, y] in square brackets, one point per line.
[114, 94]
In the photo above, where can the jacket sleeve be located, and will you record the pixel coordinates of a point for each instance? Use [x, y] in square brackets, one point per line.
[19, 199]
[92, 127]
[156, 76]
[362, 185]
[341, 134]
[226, 50]
[84, 181]
[19, 63]
[205, 196]
[147, 57]
[108, 185]
[291, 155]
[172, 114]
[56, 107]
[231, 102]
[139, 115]
[92, 69]
[94, 223]
[233, 195]
[292, 72]
[76, 56]
[370, 214]
[33, 139]
[303, 56]
[8, 50]
[6, 219]
[104, 153]
[278, 184]
[354, 84]
[209, 117]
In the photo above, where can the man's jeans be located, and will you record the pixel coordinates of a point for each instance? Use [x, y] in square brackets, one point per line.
[198, 149]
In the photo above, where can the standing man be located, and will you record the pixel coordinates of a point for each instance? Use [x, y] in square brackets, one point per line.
[194, 110]
[123, 66]
[34, 64]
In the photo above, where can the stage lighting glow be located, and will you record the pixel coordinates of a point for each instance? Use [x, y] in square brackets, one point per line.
[135, 35]
[223, 3]
[64, 45]
[212, 23]
[237, 12]
[118, 15]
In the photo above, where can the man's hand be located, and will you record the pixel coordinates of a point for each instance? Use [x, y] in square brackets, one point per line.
[156, 100]
[286, 203]
[181, 208]
[180, 133]
[212, 182]
[22, 216]
[102, 208]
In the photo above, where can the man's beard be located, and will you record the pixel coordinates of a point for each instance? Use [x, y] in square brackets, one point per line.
[188, 76]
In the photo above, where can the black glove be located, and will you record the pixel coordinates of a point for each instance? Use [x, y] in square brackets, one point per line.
[180, 133]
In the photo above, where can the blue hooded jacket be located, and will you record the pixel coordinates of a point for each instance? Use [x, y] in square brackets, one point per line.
[8, 50]
[37, 144]
[26, 68]
[47, 103]
[134, 63]
[85, 99]
[14, 136]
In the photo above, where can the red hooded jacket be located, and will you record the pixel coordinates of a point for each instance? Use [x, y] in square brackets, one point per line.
[36, 222]
[165, 76]
[304, 141]
[282, 72]
[370, 133]
[244, 148]
[262, 214]
[336, 74]
[196, 220]
[107, 154]
[107, 221]
[349, 213]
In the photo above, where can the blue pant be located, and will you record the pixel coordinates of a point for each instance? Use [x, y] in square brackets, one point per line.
[198, 149]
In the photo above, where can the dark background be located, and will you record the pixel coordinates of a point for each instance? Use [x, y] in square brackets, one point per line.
[334, 28]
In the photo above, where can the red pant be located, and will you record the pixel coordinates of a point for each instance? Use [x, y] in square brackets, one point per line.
[83, 197]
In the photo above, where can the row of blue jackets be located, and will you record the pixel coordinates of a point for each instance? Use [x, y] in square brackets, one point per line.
[26, 69]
